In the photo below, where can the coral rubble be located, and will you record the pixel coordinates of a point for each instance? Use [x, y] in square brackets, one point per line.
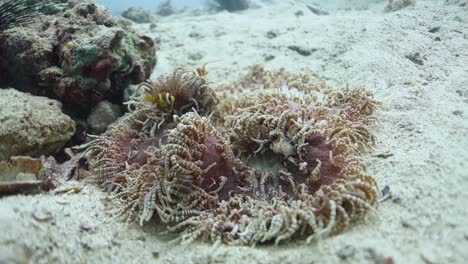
[272, 157]
[78, 54]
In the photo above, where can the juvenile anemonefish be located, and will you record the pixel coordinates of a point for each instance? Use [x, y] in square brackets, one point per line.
[162, 99]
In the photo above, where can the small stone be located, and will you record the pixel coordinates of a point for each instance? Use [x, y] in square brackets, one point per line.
[195, 35]
[165, 8]
[416, 58]
[301, 50]
[299, 13]
[195, 56]
[88, 227]
[316, 11]
[458, 113]
[397, 200]
[271, 34]
[434, 29]
[375, 256]
[156, 254]
[438, 39]
[406, 224]
[395, 5]
[269, 57]
[346, 252]
[101, 116]
[426, 259]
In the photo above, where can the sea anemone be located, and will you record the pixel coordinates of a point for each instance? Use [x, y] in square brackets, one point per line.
[198, 170]
[179, 92]
[308, 181]
[269, 164]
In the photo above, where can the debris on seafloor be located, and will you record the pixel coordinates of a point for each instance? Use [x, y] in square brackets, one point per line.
[138, 15]
[317, 11]
[79, 55]
[26, 175]
[385, 194]
[21, 175]
[395, 5]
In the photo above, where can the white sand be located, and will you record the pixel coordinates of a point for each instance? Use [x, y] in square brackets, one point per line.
[424, 125]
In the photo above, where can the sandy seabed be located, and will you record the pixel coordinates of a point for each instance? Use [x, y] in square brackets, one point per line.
[421, 153]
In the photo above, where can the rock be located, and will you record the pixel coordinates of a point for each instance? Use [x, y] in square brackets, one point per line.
[232, 5]
[395, 5]
[316, 11]
[165, 9]
[299, 13]
[138, 15]
[416, 58]
[195, 35]
[269, 57]
[434, 29]
[101, 116]
[80, 54]
[87, 227]
[195, 56]
[31, 125]
[271, 34]
[301, 50]
[346, 252]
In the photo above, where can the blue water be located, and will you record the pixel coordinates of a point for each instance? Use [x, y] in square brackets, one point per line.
[116, 7]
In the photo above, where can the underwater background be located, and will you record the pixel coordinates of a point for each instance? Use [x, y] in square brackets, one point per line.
[238, 131]
[116, 7]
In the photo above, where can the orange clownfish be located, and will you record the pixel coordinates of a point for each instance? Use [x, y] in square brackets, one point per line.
[162, 99]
